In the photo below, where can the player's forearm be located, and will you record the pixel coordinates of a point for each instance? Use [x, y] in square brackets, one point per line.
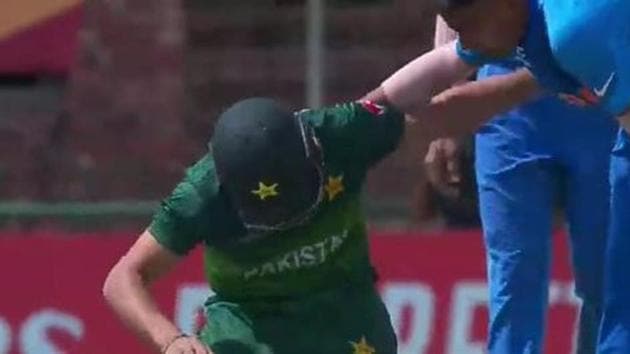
[461, 109]
[410, 89]
[127, 293]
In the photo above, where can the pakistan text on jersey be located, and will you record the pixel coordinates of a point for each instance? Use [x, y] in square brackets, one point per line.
[303, 257]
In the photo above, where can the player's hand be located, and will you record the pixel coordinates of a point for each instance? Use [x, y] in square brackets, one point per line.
[442, 166]
[187, 345]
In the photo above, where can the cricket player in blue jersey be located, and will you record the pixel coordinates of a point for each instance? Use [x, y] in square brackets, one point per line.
[527, 161]
[576, 48]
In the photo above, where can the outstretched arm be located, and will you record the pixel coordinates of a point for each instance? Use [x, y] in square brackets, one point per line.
[421, 89]
[461, 109]
[458, 110]
[410, 89]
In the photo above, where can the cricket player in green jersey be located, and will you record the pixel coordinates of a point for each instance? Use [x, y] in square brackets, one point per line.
[275, 204]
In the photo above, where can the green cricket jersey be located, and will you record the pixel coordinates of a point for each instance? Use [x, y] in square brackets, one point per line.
[331, 249]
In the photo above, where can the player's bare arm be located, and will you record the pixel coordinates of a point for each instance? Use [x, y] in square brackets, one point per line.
[461, 109]
[126, 290]
[420, 89]
[410, 88]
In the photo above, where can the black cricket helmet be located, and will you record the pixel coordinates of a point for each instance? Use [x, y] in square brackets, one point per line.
[269, 164]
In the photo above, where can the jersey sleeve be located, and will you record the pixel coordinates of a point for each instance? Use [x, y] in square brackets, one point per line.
[176, 224]
[473, 58]
[470, 57]
[361, 132]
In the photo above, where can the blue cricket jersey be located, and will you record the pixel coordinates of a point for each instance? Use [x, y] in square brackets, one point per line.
[576, 47]
[591, 40]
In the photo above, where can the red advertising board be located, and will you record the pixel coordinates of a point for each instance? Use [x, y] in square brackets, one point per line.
[434, 287]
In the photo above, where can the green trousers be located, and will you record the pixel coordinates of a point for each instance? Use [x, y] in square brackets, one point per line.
[344, 321]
